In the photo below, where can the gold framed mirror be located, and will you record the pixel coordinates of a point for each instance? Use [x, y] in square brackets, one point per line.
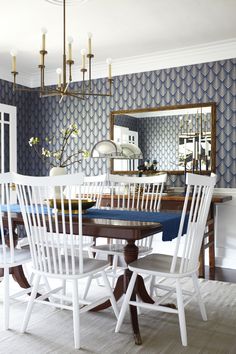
[174, 139]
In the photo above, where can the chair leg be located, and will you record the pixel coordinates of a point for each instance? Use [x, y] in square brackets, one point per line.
[114, 270]
[126, 301]
[181, 313]
[31, 278]
[6, 299]
[63, 291]
[152, 282]
[76, 313]
[112, 297]
[31, 303]
[199, 297]
[97, 279]
[87, 287]
[47, 286]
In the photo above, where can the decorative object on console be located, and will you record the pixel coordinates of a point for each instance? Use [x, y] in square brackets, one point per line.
[112, 150]
[58, 159]
[108, 148]
[62, 88]
[147, 166]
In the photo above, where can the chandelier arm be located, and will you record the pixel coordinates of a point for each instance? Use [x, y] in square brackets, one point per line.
[50, 93]
[75, 94]
[61, 99]
[85, 93]
[66, 88]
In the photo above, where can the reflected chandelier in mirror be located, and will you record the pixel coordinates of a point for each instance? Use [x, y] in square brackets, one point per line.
[174, 139]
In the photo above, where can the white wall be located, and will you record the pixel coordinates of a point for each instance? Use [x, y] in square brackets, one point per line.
[225, 226]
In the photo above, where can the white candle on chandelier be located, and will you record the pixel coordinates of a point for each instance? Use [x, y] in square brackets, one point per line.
[90, 43]
[109, 61]
[44, 31]
[13, 54]
[59, 71]
[83, 51]
[70, 41]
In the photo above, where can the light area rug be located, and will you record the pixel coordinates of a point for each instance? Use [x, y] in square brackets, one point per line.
[51, 330]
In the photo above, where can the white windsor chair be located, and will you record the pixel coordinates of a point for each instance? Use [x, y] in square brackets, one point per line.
[178, 266]
[10, 256]
[91, 188]
[130, 192]
[55, 257]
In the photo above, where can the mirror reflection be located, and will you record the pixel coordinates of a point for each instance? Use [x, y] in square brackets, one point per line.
[176, 139]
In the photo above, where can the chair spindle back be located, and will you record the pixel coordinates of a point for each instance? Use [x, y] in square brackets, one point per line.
[53, 226]
[195, 212]
[140, 193]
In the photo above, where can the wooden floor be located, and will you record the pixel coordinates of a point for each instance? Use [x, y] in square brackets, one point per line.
[222, 274]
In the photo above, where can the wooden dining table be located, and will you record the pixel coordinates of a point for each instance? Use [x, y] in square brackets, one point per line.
[129, 230]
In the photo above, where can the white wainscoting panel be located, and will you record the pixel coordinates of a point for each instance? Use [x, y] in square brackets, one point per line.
[225, 228]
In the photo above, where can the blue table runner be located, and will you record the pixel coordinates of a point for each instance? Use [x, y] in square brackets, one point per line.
[169, 220]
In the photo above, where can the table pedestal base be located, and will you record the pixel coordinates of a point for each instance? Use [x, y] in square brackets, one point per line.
[130, 255]
[18, 275]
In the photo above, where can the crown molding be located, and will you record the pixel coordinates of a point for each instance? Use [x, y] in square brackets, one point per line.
[208, 52]
[24, 79]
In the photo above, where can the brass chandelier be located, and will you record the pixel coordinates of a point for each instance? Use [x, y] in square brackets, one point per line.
[62, 88]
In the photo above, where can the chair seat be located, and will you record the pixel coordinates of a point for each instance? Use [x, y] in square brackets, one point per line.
[90, 266]
[20, 256]
[157, 264]
[114, 249]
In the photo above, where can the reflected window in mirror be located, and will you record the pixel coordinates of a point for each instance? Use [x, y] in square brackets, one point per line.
[173, 139]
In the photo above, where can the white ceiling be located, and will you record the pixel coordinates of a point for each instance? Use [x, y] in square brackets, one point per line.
[139, 35]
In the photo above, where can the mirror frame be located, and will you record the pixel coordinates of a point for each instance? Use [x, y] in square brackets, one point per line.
[168, 108]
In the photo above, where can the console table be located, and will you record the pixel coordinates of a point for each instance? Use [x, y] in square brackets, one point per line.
[174, 201]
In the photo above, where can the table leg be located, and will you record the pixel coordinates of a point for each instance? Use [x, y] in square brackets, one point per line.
[118, 292]
[130, 255]
[142, 292]
[211, 232]
[19, 276]
[201, 270]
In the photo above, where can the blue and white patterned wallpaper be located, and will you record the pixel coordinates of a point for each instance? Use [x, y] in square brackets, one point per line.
[207, 82]
[159, 140]
[127, 121]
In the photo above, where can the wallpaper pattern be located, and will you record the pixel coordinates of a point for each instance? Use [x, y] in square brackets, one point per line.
[208, 82]
[159, 140]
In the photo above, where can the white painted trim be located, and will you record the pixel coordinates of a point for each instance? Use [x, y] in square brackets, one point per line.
[12, 111]
[13, 140]
[225, 226]
[151, 61]
[229, 191]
